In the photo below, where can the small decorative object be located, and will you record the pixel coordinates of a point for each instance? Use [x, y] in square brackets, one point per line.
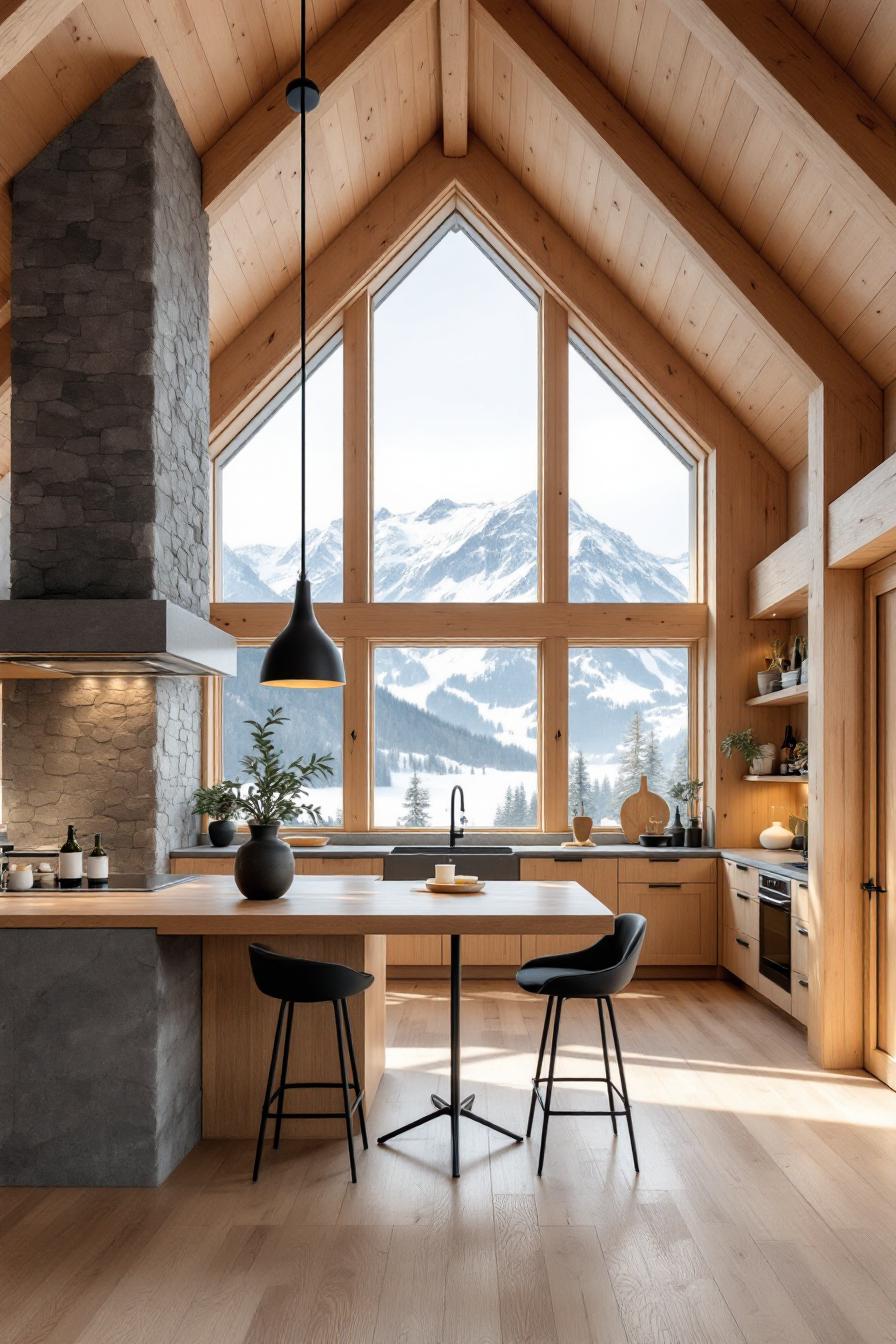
[654, 840]
[768, 681]
[71, 861]
[581, 828]
[97, 863]
[693, 834]
[19, 877]
[804, 672]
[221, 804]
[801, 757]
[779, 661]
[765, 763]
[797, 655]
[746, 745]
[790, 679]
[676, 830]
[776, 835]
[445, 873]
[787, 749]
[264, 867]
[640, 809]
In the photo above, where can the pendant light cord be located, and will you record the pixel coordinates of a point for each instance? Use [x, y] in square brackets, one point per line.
[302, 248]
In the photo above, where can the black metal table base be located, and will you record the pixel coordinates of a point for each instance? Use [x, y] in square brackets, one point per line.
[455, 1108]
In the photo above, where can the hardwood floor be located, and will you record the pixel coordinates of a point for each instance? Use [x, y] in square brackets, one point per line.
[765, 1210]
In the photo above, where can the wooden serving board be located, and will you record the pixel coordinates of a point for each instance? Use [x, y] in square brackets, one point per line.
[639, 809]
[307, 841]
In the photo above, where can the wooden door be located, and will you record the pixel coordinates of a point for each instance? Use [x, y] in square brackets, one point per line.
[880, 920]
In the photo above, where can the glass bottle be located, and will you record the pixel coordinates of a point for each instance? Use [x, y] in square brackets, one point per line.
[71, 861]
[97, 864]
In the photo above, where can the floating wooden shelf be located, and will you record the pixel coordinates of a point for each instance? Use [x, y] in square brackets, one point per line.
[790, 695]
[779, 584]
[776, 779]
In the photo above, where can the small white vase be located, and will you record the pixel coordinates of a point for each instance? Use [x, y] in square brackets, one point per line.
[776, 836]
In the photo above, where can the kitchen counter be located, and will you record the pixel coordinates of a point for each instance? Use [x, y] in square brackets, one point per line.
[535, 851]
[769, 861]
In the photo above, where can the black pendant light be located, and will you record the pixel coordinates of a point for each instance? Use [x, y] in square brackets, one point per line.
[303, 655]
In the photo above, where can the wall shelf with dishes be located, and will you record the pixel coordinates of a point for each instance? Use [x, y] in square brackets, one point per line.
[788, 695]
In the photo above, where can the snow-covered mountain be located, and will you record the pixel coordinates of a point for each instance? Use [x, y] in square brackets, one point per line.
[453, 552]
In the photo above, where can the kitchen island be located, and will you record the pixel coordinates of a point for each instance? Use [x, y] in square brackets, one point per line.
[146, 1006]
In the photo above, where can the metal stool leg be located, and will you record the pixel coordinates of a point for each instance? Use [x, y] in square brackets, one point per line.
[546, 1114]
[628, 1108]
[544, 1041]
[345, 1101]
[355, 1079]
[267, 1094]
[603, 1041]
[281, 1097]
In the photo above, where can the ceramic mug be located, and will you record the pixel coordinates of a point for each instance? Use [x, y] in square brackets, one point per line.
[19, 879]
[445, 873]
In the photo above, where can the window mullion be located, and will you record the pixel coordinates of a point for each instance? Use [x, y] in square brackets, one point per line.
[356, 450]
[554, 455]
[356, 735]
[553, 730]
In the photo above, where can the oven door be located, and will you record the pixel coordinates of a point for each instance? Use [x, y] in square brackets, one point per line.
[774, 940]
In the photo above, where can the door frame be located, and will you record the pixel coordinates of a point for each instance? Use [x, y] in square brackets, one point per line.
[879, 580]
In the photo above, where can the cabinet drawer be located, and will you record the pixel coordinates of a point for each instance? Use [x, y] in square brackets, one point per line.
[740, 956]
[799, 997]
[598, 876]
[740, 912]
[666, 869]
[681, 921]
[799, 948]
[550, 944]
[414, 949]
[799, 901]
[486, 949]
[769, 990]
[740, 877]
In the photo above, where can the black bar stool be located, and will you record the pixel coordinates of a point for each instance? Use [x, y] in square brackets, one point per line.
[294, 980]
[596, 972]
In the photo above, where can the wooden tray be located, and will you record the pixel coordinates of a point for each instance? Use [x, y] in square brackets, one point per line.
[453, 888]
[307, 841]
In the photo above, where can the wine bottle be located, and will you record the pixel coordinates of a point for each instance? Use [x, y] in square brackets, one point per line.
[71, 861]
[97, 864]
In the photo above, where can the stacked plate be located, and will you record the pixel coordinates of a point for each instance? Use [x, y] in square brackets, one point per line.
[461, 886]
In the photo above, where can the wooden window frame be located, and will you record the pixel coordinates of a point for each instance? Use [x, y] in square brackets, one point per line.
[551, 624]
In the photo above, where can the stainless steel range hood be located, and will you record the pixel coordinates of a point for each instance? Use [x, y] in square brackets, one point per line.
[111, 637]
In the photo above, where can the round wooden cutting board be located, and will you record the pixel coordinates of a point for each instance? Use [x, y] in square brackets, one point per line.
[639, 809]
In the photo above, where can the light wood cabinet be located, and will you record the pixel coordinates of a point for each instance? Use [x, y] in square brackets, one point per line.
[799, 996]
[681, 921]
[799, 901]
[740, 877]
[740, 911]
[599, 876]
[799, 947]
[485, 949]
[740, 956]
[662, 868]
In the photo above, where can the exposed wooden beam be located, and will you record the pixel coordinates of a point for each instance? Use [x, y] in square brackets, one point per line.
[807, 93]
[862, 521]
[743, 274]
[454, 35]
[5, 248]
[24, 23]
[265, 354]
[779, 583]
[335, 62]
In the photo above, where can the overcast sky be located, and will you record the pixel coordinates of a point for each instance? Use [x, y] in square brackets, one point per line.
[455, 415]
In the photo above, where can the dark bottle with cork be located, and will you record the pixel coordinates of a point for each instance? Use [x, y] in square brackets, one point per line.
[71, 861]
[97, 864]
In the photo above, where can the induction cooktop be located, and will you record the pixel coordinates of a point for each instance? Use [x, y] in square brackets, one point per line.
[121, 882]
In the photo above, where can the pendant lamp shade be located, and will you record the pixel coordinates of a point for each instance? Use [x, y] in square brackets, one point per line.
[303, 656]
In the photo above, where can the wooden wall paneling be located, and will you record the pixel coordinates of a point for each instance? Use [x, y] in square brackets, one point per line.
[356, 454]
[454, 32]
[785, 70]
[615, 623]
[357, 726]
[265, 355]
[862, 521]
[840, 452]
[24, 23]
[554, 450]
[779, 582]
[699, 226]
[336, 62]
[5, 250]
[554, 733]
[798, 496]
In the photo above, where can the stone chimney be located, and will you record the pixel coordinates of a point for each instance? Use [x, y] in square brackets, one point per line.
[110, 472]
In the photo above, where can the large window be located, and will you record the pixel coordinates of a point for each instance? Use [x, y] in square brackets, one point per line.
[630, 492]
[456, 716]
[259, 493]
[628, 717]
[455, 431]
[479, 649]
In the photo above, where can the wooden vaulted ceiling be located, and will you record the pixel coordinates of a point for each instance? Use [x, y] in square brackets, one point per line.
[677, 142]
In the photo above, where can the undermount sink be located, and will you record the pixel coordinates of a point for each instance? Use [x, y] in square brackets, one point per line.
[446, 849]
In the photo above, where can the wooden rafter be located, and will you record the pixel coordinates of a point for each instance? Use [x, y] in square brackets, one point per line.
[5, 246]
[335, 62]
[24, 23]
[688, 215]
[808, 94]
[454, 38]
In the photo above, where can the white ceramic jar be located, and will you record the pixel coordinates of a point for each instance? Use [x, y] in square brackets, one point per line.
[776, 836]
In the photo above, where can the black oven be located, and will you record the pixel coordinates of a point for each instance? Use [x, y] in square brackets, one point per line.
[774, 929]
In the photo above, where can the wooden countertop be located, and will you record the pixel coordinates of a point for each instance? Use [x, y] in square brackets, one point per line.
[318, 905]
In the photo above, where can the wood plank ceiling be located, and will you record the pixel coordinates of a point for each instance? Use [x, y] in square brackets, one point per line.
[219, 57]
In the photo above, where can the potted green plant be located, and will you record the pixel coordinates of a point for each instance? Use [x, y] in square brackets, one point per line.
[275, 792]
[221, 804]
[745, 743]
[687, 791]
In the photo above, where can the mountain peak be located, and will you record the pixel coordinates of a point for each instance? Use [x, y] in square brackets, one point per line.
[438, 509]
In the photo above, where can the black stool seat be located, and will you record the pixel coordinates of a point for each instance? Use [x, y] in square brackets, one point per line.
[597, 973]
[295, 980]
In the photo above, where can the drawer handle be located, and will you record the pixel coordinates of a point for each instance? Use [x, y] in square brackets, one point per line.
[803, 984]
[802, 886]
[664, 860]
[740, 896]
[741, 867]
[742, 941]
[568, 858]
[665, 886]
[804, 933]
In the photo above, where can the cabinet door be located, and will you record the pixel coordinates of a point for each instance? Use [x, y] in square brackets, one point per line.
[740, 912]
[596, 875]
[740, 877]
[799, 948]
[681, 921]
[662, 868]
[308, 867]
[799, 996]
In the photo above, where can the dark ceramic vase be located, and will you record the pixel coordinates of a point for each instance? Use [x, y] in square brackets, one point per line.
[221, 833]
[693, 833]
[264, 866]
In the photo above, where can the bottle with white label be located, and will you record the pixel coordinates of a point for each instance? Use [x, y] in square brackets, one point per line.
[97, 864]
[71, 861]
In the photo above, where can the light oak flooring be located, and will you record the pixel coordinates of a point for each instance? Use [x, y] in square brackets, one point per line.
[765, 1210]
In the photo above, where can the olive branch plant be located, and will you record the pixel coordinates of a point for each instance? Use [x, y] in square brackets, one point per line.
[276, 787]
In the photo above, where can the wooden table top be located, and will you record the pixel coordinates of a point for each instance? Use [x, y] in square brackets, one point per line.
[318, 905]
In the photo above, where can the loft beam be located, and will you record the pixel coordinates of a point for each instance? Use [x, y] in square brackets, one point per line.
[24, 23]
[454, 39]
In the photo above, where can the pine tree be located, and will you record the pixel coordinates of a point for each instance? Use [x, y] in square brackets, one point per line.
[602, 800]
[502, 816]
[680, 767]
[532, 818]
[631, 765]
[652, 761]
[580, 789]
[416, 804]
